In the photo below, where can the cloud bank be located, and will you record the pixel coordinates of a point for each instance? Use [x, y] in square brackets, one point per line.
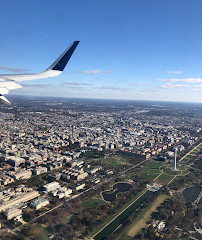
[174, 72]
[172, 86]
[94, 71]
[185, 80]
[78, 84]
[13, 69]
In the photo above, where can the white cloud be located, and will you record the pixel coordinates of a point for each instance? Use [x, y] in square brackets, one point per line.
[197, 90]
[174, 72]
[90, 72]
[140, 84]
[35, 85]
[172, 86]
[13, 69]
[115, 88]
[77, 84]
[97, 71]
[76, 88]
[185, 80]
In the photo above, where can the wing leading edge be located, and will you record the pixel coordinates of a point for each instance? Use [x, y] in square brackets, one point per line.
[6, 81]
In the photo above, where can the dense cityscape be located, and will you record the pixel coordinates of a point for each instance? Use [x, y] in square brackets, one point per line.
[101, 120]
[60, 157]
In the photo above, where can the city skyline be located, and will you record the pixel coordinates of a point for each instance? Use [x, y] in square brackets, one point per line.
[136, 51]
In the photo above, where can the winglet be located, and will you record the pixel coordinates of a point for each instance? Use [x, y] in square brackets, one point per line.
[3, 100]
[62, 61]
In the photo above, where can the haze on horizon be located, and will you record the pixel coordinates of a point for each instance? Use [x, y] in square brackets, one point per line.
[142, 50]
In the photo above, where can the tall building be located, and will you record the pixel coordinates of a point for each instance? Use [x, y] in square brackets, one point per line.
[175, 160]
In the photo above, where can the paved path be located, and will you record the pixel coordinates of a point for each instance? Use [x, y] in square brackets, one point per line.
[198, 198]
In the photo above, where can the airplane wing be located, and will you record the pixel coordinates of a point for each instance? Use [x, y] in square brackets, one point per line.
[7, 81]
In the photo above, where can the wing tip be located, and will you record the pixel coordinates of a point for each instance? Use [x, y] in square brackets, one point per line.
[62, 61]
[3, 100]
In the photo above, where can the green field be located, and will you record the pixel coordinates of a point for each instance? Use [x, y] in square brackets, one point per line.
[92, 203]
[182, 168]
[38, 232]
[148, 175]
[185, 160]
[149, 171]
[168, 170]
[164, 179]
[69, 218]
[152, 165]
[116, 161]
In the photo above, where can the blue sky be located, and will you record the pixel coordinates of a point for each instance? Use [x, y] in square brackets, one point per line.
[132, 49]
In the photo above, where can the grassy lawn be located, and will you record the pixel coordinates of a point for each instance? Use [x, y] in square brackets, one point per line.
[140, 222]
[149, 171]
[116, 160]
[177, 178]
[185, 160]
[38, 232]
[164, 179]
[182, 168]
[92, 203]
[98, 196]
[170, 171]
[149, 175]
[152, 165]
[69, 218]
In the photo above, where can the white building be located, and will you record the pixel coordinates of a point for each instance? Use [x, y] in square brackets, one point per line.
[51, 186]
[26, 174]
[39, 170]
[78, 186]
[62, 192]
[161, 225]
[15, 161]
[39, 203]
[12, 212]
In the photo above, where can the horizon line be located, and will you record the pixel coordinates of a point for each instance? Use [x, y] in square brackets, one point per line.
[112, 99]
